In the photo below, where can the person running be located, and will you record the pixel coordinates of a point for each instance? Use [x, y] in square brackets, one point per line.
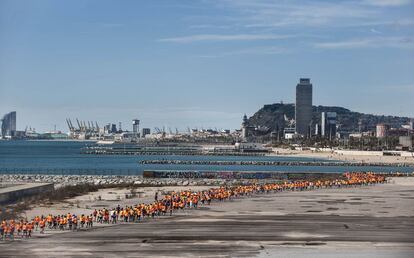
[42, 224]
[178, 201]
[75, 222]
[29, 229]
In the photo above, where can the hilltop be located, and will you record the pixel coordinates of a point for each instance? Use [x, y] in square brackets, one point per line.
[273, 115]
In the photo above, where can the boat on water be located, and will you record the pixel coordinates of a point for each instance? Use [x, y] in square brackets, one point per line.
[105, 142]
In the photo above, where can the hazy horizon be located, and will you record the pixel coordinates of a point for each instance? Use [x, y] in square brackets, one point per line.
[200, 63]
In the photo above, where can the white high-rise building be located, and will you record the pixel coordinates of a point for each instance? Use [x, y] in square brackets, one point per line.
[8, 125]
[135, 126]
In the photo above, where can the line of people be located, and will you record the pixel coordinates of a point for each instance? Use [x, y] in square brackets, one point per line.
[170, 203]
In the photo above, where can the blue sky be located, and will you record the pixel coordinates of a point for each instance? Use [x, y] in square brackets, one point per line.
[200, 63]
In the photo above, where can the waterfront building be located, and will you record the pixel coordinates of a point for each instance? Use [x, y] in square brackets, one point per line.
[110, 128]
[135, 126]
[289, 133]
[145, 131]
[8, 125]
[382, 130]
[246, 129]
[113, 128]
[406, 142]
[328, 125]
[303, 107]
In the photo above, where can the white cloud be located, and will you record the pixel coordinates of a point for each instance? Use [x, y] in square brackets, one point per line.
[265, 50]
[375, 31]
[387, 2]
[377, 42]
[316, 13]
[301, 13]
[355, 43]
[210, 26]
[224, 37]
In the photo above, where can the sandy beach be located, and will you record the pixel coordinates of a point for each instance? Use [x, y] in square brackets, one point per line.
[347, 157]
[105, 198]
[369, 221]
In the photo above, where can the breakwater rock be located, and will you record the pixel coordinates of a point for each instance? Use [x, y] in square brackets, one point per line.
[173, 178]
[62, 180]
[273, 163]
[126, 151]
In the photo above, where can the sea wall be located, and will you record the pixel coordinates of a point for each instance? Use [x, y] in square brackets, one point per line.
[14, 192]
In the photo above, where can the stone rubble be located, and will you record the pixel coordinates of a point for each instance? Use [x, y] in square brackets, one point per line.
[138, 180]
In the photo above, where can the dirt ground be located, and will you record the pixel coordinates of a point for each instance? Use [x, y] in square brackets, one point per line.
[370, 221]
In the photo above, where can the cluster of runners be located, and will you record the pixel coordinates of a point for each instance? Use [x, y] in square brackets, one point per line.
[169, 203]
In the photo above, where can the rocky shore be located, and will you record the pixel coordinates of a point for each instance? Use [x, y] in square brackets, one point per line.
[64, 180]
[118, 151]
[173, 179]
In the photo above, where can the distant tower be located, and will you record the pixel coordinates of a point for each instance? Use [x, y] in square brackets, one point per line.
[8, 125]
[135, 126]
[244, 127]
[323, 124]
[303, 107]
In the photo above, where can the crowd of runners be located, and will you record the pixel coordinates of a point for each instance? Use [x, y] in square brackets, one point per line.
[170, 203]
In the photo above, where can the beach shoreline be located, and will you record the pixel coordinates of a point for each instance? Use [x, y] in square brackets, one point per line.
[366, 157]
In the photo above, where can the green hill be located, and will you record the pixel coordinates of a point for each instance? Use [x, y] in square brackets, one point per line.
[273, 116]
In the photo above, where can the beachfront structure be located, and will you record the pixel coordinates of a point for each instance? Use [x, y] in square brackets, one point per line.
[246, 129]
[382, 130]
[8, 125]
[289, 133]
[328, 125]
[303, 107]
[406, 142]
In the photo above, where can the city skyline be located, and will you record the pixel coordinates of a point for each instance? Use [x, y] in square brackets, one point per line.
[197, 63]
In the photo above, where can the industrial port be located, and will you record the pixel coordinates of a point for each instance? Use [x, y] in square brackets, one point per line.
[292, 126]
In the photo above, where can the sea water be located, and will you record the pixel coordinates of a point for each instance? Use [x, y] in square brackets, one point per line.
[64, 157]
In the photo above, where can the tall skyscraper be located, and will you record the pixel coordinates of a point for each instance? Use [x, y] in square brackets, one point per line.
[303, 107]
[8, 125]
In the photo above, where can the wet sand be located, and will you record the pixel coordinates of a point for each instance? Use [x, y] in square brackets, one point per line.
[371, 221]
